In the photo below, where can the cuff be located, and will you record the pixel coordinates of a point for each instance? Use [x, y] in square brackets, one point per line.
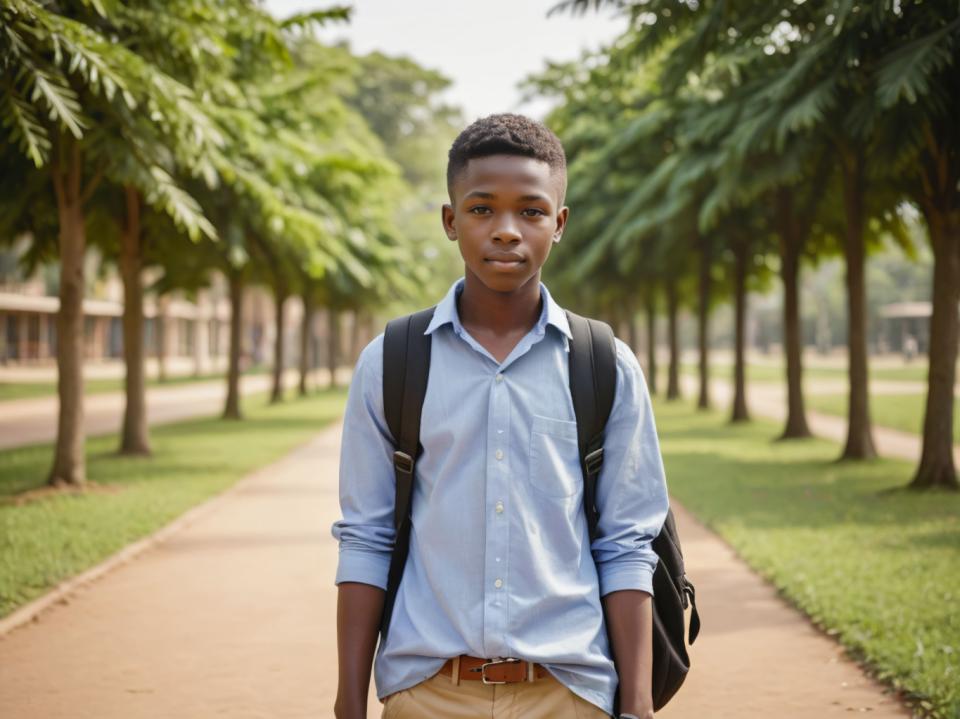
[626, 575]
[364, 567]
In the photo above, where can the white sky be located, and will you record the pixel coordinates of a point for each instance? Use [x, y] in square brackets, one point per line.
[485, 48]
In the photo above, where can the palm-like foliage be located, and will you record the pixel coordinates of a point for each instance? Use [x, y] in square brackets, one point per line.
[67, 82]
[83, 107]
[873, 84]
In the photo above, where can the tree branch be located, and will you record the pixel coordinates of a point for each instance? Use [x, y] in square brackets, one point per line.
[92, 186]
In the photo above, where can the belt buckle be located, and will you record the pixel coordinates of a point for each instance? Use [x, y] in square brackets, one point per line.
[494, 662]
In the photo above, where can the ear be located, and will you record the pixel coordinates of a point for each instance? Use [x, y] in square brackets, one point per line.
[562, 216]
[447, 216]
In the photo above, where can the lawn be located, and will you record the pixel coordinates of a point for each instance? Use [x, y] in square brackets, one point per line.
[871, 563]
[45, 541]
[29, 390]
[775, 372]
[897, 411]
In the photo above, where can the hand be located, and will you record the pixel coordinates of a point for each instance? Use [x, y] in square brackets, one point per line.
[350, 709]
[638, 710]
[635, 703]
[640, 714]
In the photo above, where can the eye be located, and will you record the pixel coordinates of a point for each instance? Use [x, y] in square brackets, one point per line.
[479, 210]
[533, 212]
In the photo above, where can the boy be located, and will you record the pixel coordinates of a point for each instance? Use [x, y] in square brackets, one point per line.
[500, 563]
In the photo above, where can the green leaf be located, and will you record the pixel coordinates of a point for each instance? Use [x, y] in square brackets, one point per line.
[906, 73]
[61, 100]
[25, 127]
[809, 110]
[304, 20]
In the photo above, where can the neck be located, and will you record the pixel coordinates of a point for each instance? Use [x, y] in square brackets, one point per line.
[499, 313]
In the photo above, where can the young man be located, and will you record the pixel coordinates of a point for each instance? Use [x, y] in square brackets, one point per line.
[500, 562]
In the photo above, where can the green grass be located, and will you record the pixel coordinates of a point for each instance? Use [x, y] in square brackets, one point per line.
[45, 541]
[897, 411]
[916, 372]
[871, 563]
[29, 390]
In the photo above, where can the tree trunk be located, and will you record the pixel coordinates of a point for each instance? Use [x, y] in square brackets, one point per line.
[201, 349]
[703, 317]
[134, 438]
[69, 464]
[160, 324]
[306, 335]
[937, 467]
[673, 310]
[859, 436]
[232, 408]
[354, 336]
[650, 306]
[632, 334]
[279, 302]
[741, 253]
[333, 344]
[791, 249]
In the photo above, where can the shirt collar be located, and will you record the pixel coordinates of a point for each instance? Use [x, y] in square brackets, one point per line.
[550, 314]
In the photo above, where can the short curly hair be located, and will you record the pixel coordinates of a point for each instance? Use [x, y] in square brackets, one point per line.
[507, 134]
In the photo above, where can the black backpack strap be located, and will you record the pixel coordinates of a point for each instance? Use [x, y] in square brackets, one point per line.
[406, 367]
[593, 377]
[593, 383]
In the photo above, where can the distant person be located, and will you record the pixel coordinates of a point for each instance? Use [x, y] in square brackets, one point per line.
[500, 564]
[910, 348]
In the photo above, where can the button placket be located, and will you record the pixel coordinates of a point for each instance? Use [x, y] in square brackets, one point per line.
[497, 529]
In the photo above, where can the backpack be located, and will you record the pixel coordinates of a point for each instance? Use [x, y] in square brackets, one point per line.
[406, 367]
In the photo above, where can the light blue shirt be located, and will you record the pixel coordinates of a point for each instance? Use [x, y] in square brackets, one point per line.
[500, 562]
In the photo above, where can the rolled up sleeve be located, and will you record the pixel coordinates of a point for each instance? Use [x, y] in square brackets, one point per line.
[631, 490]
[367, 485]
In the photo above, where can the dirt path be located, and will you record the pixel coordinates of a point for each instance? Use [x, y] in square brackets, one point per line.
[757, 656]
[233, 616]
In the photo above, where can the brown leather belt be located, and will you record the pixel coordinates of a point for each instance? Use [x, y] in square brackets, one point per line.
[495, 671]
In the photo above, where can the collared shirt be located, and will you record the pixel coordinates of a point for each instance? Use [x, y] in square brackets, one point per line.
[500, 562]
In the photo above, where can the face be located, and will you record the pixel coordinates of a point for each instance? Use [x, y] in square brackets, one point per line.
[506, 215]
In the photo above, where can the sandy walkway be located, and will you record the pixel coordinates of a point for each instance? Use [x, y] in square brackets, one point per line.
[233, 616]
[757, 656]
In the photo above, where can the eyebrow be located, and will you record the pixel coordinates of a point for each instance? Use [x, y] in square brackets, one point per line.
[490, 196]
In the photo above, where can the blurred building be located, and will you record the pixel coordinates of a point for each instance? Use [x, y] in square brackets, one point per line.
[184, 335]
[905, 327]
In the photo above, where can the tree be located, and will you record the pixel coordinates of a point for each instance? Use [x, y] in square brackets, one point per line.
[70, 105]
[790, 65]
[182, 39]
[916, 89]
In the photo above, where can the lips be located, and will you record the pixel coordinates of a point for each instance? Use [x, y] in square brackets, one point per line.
[505, 258]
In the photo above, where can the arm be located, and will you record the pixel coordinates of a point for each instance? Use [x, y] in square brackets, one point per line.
[632, 502]
[365, 532]
[359, 607]
[629, 616]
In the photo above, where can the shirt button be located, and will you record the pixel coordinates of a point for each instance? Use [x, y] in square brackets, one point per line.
[499, 377]
[499, 454]
[498, 583]
[499, 507]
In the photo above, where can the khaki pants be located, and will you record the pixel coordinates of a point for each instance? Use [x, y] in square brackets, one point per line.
[439, 698]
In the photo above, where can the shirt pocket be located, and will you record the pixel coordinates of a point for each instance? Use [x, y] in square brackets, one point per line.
[554, 457]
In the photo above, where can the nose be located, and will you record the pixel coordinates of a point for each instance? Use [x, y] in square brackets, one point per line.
[506, 229]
